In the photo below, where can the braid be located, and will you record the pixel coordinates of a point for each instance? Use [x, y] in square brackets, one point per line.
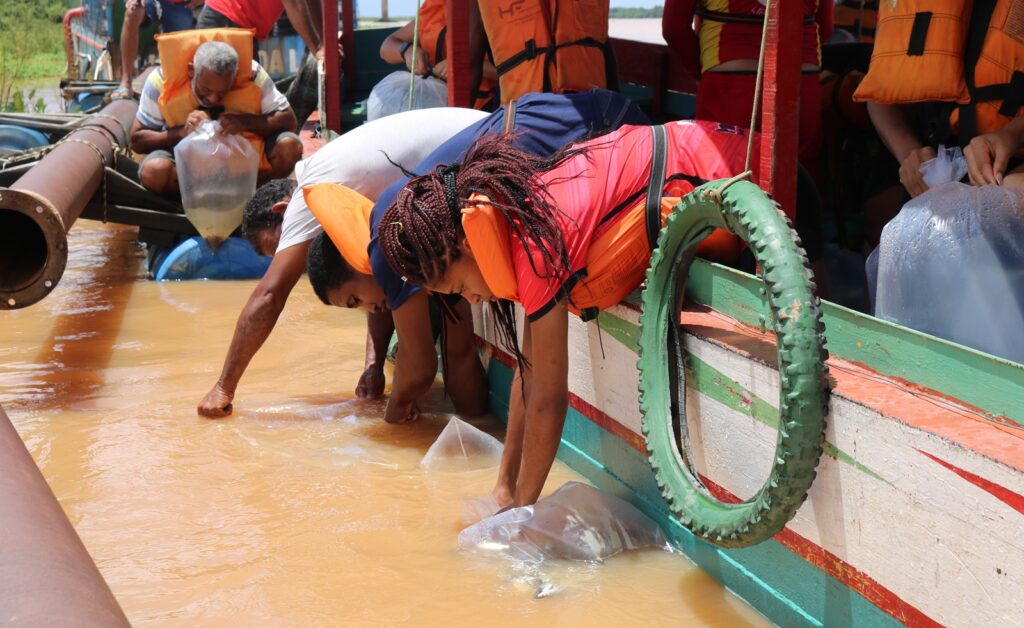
[420, 234]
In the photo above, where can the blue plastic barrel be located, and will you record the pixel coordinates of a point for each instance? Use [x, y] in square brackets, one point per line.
[14, 139]
[192, 259]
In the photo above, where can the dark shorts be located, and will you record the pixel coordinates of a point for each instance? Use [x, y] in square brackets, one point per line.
[169, 154]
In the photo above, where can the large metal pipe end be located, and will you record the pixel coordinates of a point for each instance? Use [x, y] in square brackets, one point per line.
[33, 248]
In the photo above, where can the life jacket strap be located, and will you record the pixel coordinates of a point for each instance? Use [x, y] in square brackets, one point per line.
[735, 18]
[1012, 94]
[655, 183]
[981, 15]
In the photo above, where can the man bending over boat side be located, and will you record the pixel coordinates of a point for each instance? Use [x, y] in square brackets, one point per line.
[210, 75]
[539, 124]
[279, 223]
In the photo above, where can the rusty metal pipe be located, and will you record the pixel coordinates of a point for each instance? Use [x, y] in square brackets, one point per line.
[37, 211]
[47, 577]
[76, 13]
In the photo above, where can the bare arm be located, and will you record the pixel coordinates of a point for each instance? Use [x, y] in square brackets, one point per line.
[145, 140]
[254, 325]
[512, 454]
[379, 328]
[305, 24]
[897, 133]
[466, 381]
[264, 126]
[547, 403]
[416, 362]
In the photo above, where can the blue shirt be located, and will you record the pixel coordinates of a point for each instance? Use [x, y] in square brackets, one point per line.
[544, 123]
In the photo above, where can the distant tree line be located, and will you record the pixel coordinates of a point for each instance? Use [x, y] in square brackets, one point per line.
[631, 13]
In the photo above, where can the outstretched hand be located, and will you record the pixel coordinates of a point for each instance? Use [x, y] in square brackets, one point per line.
[371, 383]
[216, 404]
[406, 414]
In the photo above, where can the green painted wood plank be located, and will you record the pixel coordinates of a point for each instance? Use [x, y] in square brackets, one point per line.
[994, 385]
[780, 584]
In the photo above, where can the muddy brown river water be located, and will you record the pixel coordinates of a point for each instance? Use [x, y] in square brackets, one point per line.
[303, 508]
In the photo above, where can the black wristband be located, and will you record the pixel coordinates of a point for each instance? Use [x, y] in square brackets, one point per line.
[401, 49]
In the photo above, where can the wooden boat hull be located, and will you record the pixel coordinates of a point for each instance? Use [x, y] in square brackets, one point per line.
[917, 513]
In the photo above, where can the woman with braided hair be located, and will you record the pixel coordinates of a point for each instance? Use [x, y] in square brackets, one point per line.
[567, 233]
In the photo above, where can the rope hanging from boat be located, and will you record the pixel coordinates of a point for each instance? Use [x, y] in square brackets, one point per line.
[757, 83]
[415, 47]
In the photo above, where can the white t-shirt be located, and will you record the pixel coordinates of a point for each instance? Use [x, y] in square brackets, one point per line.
[357, 160]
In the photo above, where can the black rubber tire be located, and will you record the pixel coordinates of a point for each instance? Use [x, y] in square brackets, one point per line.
[796, 320]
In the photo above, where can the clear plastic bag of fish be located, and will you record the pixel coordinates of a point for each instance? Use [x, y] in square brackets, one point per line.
[951, 264]
[576, 522]
[949, 165]
[391, 95]
[461, 446]
[217, 176]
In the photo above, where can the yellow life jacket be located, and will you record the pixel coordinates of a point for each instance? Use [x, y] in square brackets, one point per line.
[345, 216]
[969, 53]
[177, 100]
[548, 45]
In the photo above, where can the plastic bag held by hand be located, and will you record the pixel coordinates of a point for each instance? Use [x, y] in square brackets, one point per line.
[462, 446]
[217, 176]
[948, 166]
[391, 95]
[951, 264]
[576, 522]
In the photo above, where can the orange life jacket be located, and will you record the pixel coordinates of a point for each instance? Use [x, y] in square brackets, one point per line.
[345, 216]
[177, 100]
[616, 260]
[433, 29]
[922, 49]
[549, 45]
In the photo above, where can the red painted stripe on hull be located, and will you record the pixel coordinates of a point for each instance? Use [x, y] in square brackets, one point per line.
[816, 555]
[1003, 494]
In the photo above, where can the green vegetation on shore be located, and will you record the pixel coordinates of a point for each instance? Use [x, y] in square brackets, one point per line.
[31, 45]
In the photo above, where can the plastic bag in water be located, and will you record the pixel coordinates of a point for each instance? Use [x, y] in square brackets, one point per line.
[217, 176]
[951, 264]
[576, 522]
[391, 95]
[949, 165]
[462, 446]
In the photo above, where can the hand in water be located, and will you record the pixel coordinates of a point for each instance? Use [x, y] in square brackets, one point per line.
[371, 383]
[194, 119]
[502, 494]
[407, 414]
[216, 404]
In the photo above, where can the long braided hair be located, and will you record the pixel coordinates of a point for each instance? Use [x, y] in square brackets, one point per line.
[420, 234]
